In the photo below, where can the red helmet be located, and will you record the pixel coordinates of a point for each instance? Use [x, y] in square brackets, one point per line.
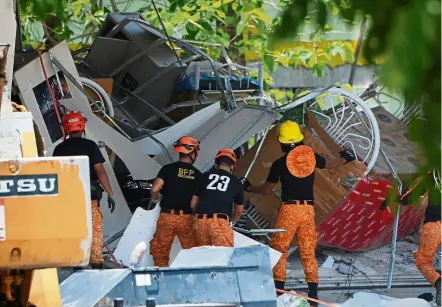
[226, 152]
[187, 145]
[74, 122]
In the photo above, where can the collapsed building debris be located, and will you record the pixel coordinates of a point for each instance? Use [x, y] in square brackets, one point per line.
[131, 116]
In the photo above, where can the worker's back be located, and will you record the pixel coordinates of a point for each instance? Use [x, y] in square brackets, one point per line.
[433, 210]
[180, 179]
[294, 187]
[217, 191]
[78, 146]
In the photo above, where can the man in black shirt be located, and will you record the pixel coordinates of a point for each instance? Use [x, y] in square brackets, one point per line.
[74, 125]
[295, 171]
[213, 201]
[430, 234]
[177, 182]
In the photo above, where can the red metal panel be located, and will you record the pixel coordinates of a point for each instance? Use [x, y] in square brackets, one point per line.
[358, 224]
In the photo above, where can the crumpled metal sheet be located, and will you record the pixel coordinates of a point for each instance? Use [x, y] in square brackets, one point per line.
[75, 290]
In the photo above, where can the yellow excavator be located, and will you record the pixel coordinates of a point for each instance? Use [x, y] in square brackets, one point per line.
[45, 213]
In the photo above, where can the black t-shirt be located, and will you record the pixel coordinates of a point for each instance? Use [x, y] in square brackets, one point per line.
[293, 188]
[217, 191]
[81, 147]
[433, 210]
[180, 179]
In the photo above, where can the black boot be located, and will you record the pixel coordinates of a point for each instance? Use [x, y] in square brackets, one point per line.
[279, 285]
[313, 293]
[437, 285]
[97, 266]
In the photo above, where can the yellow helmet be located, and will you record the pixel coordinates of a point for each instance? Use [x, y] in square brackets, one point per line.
[289, 133]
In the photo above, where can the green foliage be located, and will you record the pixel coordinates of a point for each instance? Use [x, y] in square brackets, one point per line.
[409, 32]
[222, 22]
[60, 19]
[242, 27]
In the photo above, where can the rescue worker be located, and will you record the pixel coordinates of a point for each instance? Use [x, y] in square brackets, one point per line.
[295, 170]
[75, 144]
[430, 235]
[177, 182]
[213, 201]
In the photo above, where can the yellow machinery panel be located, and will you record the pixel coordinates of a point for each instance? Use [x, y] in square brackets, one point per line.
[45, 213]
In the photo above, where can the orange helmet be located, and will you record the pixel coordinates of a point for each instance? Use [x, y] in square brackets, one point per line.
[226, 152]
[73, 122]
[187, 145]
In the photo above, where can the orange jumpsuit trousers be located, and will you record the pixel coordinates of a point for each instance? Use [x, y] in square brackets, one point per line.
[213, 231]
[97, 234]
[170, 225]
[296, 220]
[430, 239]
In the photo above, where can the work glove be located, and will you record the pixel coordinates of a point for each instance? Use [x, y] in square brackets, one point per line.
[426, 296]
[111, 203]
[245, 183]
[152, 203]
[404, 198]
[348, 155]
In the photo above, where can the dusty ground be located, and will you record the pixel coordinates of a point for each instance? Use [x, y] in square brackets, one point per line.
[373, 264]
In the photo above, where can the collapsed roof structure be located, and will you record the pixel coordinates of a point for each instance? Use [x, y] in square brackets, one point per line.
[140, 94]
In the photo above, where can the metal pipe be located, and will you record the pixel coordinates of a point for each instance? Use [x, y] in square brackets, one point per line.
[261, 82]
[375, 128]
[396, 221]
[159, 143]
[260, 146]
[56, 76]
[175, 106]
[357, 52]
[197, 76]
[393, 247]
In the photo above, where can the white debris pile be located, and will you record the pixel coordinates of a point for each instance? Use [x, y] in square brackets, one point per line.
[287, 300]
[359, 299]
[364, 299]
[134, 246]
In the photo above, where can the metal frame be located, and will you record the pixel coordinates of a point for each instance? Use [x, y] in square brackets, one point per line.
[180, 43]
[77, 85]
[231, 102]
[350, 100]
[138, 56]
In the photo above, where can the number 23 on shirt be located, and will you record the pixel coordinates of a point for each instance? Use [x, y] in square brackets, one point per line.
[217, 182]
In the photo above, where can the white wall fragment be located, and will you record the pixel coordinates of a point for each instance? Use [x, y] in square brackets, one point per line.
[141, 229]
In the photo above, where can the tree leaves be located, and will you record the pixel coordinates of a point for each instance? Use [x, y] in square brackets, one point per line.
[410, 33]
